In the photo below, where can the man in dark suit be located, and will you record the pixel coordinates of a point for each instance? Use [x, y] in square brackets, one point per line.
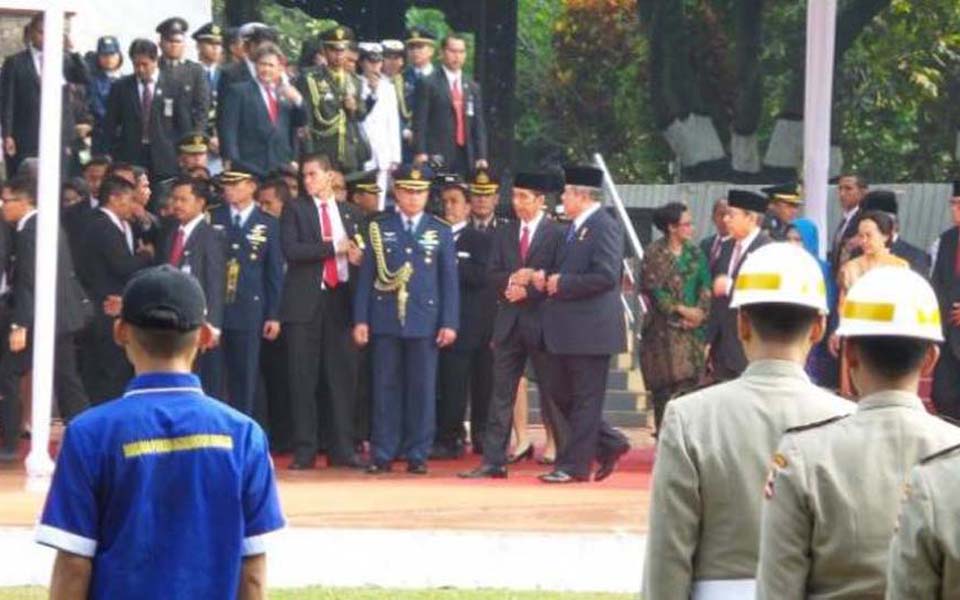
[420, 46]
[583, 326]
[110, 258]
[851, 189]
[76, 216]
[746, 209]
[20, 97]
[712, 244]
[448, 117]
[519, 249]
[259, 117]
[319, 238]
[190, 76]
[886, 201]
[461, 370]
[254, 279]
[408, 305]
[147, 113]
[946, 282]
[195, 247]
[253, 35]
[73, 311]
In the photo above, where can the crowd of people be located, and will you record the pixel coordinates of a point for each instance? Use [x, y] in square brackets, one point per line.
[342, 219]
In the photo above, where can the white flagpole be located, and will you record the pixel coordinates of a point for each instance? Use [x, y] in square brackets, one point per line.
[818, 101]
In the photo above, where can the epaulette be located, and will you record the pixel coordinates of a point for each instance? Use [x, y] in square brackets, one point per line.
[939, 454]
[815, 424]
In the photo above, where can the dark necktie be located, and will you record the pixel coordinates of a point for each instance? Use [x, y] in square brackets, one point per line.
[571, 232]
[236, 222]
[146, 104]
[524, 243]
[176, 253]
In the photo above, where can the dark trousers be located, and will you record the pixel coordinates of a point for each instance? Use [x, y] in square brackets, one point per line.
[404, 398]
[509, 361]
[458, 162]
[323, 344]
[661, 396]
[241, 359]
[276, 392]
[209, 366]
[946, 384]
[463, 373]
[363, 406]
[578, 384]
[106, 370]
[67, 386]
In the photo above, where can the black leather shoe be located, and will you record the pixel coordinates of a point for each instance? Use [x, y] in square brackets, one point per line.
[302, 465]
[609, 463]
[354, 462]
[485, 472]
[560, 477]
[417, 468]
[527, 454]
[379, 468]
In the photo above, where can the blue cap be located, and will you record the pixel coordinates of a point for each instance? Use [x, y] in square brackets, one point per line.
[108, 45]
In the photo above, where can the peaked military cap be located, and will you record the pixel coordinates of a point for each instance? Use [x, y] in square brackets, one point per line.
[450, 180]
[371, 51]
[747, 200]
[363, 181]
[482, 184]
[232, 177]
[211, 32]
[392, 47]
[193, 143]
[418, 35]
[173, 26]
[784, 192]
[413, 177]
[339, 37]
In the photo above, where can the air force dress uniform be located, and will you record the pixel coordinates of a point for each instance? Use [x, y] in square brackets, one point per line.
[254, 269]
[407, 290]
[715, 445]
[835, 487]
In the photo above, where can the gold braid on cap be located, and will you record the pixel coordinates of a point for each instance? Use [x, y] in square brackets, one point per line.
[387, 281]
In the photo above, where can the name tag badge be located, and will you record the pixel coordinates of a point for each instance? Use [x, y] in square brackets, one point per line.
[469, 108]
[168, 107]
[186, 269]
[463, 255]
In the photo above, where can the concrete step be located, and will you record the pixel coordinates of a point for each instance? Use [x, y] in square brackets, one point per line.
[616, 418]
[615, 400]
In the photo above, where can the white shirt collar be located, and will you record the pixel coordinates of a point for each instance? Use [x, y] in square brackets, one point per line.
[25, 218]
[586, 214]
[745, 242]
[425, 70]
[113, 217]
[415, 218]
[190, 226]
[532, 224]
[244, 214]
[458, 227]
[848, 214]
[454, 76]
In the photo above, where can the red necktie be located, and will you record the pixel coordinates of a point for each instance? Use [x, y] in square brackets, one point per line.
[956, 261]
[176, 253]
[330, 277]
[272, 108]
[524, 243]
[456, 94]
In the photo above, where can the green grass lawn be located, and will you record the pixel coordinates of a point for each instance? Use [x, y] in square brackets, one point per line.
[36, 593]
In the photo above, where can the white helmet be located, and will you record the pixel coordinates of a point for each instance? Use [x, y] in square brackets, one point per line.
[891, 301]
[780, 273]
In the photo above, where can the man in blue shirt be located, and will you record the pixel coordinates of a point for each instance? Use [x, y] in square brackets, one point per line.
[164, 492]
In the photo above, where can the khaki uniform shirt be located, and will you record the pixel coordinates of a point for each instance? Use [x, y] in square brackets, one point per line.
[833, 496]
[925, 554]
[712, 461]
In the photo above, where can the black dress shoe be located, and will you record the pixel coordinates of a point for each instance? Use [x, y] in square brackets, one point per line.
[609, 463]
[477, 448]
[417, 468]
[379, 468]
[559, 476]
[527, 454]
[485, 472]
[354, 462]
[302, 465]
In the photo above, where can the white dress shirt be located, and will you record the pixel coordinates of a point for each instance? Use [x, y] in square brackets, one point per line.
[586, 214]
[23, 220]
[123, 226]
[415, 219]
[454, 78]
[153, 87]
[244, 214]
[188, 228]
[339, 234]
[37, 56]
[531, 226]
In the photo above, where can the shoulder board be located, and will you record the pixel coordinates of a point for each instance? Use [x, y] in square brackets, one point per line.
[441, 221]
[816, 424]
[940, 454]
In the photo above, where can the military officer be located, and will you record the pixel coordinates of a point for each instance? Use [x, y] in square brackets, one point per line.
[828, 518]
[421, 45]
[192, 151]
[925, 554]
[785, 203]
[484, 196]
[209, 39]
[364, 191]
[335, 110]
[189, 75]
[715, 444]
[407, 305]
[254, 280]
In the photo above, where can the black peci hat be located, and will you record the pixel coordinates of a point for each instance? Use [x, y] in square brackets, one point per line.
[882, 200]
[747, 200]
[539, 182]
[582, 175]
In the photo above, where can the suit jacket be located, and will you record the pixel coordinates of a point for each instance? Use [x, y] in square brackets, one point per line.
[585, 316]
[306, 252]
[256, 249]
[192, 78]
[247, 137]
[108, 261]
[434, 128]
[918, 259]
[946, 283]
[74, 219]
[204, 258]
[525, 316]
[434, 295]
[20, 99]
[722, 324]
[838, 252]
[477, 299]
[231, 73]
[73, 306]
[169, 120]
[706, 245]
